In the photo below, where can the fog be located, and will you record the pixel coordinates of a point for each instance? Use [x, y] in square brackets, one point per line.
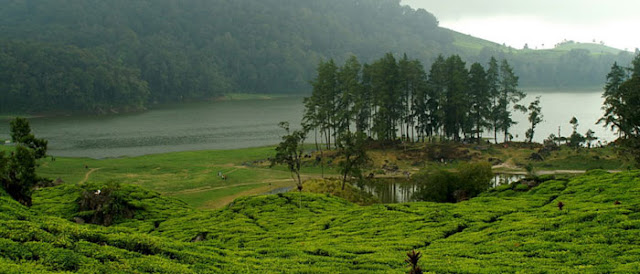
[539, 23]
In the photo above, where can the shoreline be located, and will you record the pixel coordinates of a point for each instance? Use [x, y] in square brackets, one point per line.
[224, 98]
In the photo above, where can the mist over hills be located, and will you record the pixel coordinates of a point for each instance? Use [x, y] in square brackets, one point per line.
[100, 56]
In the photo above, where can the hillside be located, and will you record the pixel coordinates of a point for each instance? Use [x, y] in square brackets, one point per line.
[593, 48]
[116, 55]
[197, 49]
[510, 229]
[569, 64]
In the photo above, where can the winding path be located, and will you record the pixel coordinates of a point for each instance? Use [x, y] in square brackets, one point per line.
[86, 176]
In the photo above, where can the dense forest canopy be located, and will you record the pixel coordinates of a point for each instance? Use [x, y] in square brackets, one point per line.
[100, 56]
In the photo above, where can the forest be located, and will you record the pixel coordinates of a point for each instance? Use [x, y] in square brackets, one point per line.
[390, 97]
[111, 56]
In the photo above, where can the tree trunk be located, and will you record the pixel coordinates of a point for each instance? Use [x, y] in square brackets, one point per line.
[315, 130]
[322, 163]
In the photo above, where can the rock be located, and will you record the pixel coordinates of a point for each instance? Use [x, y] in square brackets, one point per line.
[494, 161]
[536, 157]
[200, 237]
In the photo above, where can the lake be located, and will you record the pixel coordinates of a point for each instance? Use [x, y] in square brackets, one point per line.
[251, 123]
[180, 127]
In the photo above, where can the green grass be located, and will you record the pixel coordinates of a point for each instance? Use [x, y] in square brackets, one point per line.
[201, 198]
[473, 45]
[594, 48]
[172, 173]
[505, 230]
[192, 176]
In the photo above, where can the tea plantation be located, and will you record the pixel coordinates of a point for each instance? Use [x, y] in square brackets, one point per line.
[507, 230]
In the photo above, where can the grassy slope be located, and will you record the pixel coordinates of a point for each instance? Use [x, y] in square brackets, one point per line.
[501, 231]
[473, 45]
[592, 47]
[192, 176]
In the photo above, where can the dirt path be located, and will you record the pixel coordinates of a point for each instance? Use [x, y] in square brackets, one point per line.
[208, 188]
[86, 176]
[224, 201]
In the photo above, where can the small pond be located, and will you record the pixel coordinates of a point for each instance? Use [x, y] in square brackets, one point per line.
[400, 190]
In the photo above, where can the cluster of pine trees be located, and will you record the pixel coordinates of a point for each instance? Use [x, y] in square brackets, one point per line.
[392, 98]
[622, 98]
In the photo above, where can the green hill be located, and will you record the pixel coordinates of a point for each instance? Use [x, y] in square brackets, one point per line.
[117, 55]
[593, 48]
[509, 229]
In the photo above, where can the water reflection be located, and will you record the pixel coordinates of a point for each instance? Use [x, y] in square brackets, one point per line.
[279, 190]
[391, 190]
[505, 179]
[400, 190]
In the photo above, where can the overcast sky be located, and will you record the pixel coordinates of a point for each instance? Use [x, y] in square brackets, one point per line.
[516, 22]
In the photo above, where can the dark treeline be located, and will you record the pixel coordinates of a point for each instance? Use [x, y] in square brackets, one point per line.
[562, 67]
[44, 77]
[390, 97]
[192, 49]
[74, 55]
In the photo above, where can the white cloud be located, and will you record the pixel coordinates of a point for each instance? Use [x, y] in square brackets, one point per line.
[540, 22]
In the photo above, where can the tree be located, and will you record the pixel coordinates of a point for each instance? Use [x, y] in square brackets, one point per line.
[456, 101]
[290, 152]
[622, 98]
[18, 171]
[479, 95]
[509, 95]
[493, 82]
[351, 147]
[19, 174]
[19, 128]
[574, 124]
[613, 99]
[576, 139]
[590, 137]
[535, 117]
[322, 107]
[387, 98]
[350, 86]
[436, 88]
[21, 134]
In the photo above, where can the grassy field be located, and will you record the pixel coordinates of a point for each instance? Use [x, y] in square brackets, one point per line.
[193, 176]
[507, 230]
[189, 176]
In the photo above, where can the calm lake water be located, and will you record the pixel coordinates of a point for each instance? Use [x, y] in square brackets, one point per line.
[396, 190]
[249, 123]
[183, 127]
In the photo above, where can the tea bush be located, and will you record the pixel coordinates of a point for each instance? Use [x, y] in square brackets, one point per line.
[500, 231]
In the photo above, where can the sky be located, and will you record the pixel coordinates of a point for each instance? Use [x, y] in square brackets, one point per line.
[540, 23]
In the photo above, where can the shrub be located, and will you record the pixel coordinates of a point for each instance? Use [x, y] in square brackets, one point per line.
[103, 204]
[443, 186]
[334, 187]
